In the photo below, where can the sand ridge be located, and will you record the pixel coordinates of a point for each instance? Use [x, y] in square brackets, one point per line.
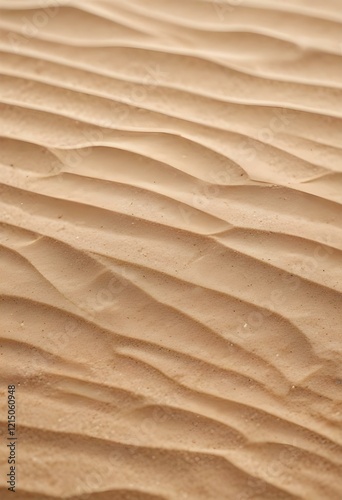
[171, 248]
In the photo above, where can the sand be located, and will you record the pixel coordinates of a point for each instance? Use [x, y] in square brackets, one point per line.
[170, 239]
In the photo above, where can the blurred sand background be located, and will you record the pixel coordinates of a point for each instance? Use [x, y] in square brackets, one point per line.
[170, 240]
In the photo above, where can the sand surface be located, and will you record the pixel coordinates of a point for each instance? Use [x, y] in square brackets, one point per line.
[170, 240]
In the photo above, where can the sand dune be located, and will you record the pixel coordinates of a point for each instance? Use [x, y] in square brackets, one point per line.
[171, 248]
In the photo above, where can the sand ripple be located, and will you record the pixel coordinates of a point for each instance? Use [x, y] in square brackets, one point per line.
[171, 247]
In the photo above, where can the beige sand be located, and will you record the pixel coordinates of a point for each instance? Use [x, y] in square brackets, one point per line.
[171, 236]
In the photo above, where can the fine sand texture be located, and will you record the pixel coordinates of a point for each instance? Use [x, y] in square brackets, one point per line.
[171, 248]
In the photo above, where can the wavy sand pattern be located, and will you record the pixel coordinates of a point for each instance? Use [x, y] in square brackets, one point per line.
[171, 248]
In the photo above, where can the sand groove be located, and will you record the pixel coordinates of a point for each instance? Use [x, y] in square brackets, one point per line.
[171, 248]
